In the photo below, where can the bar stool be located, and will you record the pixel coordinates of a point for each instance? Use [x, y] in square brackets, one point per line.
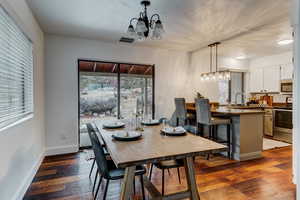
[182, 117]
[203, 116]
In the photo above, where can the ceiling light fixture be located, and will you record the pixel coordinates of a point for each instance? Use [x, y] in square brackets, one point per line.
[285, 42]
[215, 75]
[144, 25]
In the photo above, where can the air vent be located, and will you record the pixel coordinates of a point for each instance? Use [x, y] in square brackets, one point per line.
[126, 40]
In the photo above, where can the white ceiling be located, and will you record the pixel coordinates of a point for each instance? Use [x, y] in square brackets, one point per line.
[189, 24]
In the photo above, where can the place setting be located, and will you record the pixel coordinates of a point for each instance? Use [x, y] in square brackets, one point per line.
[113, 125]
[172, 131]
[133, 128]
[150, 122]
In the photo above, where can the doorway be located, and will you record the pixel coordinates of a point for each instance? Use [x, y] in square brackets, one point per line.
[110, 90]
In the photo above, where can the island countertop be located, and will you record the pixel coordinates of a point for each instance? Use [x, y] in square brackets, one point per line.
[247, 127]
[229, 111]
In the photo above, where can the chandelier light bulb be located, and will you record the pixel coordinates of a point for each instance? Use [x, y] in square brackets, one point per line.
[140, 36]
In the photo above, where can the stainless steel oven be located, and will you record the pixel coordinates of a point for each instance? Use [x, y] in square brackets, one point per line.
[283, 120]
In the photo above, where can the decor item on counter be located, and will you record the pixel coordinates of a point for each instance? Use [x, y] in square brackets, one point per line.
[266, 100]
[199, 96]
[215, 75]
[142, 29]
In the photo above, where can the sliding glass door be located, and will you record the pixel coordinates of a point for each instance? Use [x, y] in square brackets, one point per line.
[112, 90]
[135, 90]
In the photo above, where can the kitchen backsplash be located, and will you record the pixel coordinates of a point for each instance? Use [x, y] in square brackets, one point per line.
[280, 98]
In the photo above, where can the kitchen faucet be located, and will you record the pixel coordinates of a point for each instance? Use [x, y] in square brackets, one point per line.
[242, 96]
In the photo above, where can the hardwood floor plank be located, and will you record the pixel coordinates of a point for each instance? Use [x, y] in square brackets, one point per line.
[65, 177]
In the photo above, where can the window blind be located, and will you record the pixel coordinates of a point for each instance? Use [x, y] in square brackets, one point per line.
[16, 72]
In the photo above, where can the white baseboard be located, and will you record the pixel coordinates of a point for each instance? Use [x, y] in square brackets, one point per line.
[61, 150]
[19, 195]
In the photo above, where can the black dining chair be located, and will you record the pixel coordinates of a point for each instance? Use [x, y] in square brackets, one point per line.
[90, 129]
[107, 169]
[166, 165]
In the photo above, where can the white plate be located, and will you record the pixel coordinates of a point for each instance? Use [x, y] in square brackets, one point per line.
[150, 122]
[127, 135]
[174, 130]
[116, 124]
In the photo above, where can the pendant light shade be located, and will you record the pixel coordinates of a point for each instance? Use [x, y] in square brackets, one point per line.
[131, 32]
[141, 26]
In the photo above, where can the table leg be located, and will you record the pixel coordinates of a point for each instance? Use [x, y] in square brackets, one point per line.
[127, 185]
[191, 180]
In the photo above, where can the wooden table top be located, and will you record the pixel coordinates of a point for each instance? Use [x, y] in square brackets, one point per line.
[230, 111]
[154, 147]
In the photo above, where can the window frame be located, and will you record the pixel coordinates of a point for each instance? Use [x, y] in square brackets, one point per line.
[30, 114]
[118, 75]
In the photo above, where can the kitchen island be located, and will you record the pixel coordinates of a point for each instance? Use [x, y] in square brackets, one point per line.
[247, 130]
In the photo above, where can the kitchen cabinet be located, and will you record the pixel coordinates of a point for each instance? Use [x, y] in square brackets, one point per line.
[268, 122]
[266, 79]
[272, 79]
[286, 71]
[256, 80]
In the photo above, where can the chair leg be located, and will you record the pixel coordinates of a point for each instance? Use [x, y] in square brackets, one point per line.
[207, 156]
[94, 161]
[216, 132]
[210, 132]
[163, 183]
[134, 185]
[106, 188]
[96, 176]
[169, 172]
[97, 190]
[178, 172]
[150, 172]
[228, 141]
[142, 185]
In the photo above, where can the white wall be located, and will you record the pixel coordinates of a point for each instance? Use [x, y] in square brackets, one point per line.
[62, 54]
[272, 60]
[22, 146]
[200, 63]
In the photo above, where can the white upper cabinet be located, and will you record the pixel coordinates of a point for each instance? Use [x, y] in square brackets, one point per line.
[286, 71]
[265, 79]
[256, 80]
[272, 79]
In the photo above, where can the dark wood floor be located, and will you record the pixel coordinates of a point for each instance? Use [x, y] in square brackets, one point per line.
[66, 178]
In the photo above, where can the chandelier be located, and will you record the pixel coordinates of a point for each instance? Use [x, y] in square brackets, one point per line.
[215, 75]
[145, 27]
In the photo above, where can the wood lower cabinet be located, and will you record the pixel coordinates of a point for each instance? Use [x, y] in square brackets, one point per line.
[268, 122]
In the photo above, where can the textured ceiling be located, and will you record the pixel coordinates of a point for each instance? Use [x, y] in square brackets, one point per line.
[248, 27]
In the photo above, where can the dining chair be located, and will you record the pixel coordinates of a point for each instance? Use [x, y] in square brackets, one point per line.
[181, 112]
[166, 165]
[204, 117]
[107, 168]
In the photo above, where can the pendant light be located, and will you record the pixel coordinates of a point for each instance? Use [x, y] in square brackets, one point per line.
[215, 75]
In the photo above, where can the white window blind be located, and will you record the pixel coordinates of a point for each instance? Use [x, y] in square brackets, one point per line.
[16, 68]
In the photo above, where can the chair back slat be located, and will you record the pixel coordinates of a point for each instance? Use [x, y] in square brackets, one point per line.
[203, 113]
[99, 152]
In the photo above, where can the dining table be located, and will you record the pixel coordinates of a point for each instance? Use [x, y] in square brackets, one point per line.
[154, 147]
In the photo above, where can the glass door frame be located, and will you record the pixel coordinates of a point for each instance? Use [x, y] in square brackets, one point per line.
[118, 88]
